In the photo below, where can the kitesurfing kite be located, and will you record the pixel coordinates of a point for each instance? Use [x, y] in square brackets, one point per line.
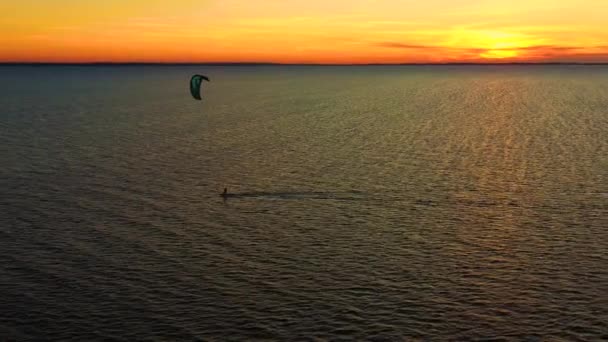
[195, 85]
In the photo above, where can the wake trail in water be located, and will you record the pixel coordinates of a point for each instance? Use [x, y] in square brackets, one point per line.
[298, 195]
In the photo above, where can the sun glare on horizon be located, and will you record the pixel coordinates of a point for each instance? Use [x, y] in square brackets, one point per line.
[501, 45]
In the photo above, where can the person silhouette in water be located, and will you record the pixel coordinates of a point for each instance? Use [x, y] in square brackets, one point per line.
[225, 193]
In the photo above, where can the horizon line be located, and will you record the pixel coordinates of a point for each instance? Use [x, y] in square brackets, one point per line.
[284, 64]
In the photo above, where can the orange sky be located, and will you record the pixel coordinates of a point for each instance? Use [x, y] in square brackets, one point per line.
[310, 31]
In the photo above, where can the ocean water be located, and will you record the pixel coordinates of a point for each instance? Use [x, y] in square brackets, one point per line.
[388, 203]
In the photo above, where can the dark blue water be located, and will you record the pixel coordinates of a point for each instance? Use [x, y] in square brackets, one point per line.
[367, 202]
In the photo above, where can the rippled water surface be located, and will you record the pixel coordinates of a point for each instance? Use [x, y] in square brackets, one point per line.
[368, 202]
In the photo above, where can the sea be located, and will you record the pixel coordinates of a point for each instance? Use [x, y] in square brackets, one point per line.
[380, 203]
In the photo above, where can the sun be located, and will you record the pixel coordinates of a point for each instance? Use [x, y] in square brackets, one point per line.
[499, 54]
[504, 45]
[489, 44]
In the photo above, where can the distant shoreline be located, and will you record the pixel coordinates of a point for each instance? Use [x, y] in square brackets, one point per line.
[283, 64]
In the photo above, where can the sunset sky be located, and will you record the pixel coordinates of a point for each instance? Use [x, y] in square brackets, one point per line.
[304, 31]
